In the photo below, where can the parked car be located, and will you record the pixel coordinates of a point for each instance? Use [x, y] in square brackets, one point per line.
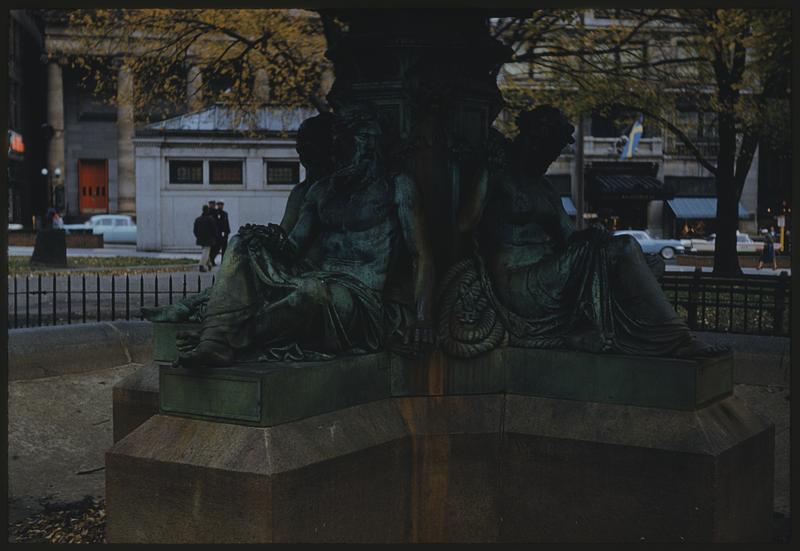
[115, 228]
[667, 248]
[744, 244]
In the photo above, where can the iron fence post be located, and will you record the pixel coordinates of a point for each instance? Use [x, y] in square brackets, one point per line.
[780, 297]
[691, 306]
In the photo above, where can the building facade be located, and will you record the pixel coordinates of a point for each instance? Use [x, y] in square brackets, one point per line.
[28, 189]
[92, 138]
[184, 162]
[662, 188]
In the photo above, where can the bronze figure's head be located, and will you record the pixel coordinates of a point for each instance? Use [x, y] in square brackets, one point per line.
[314, 143]
[356, 133]
[543, 134]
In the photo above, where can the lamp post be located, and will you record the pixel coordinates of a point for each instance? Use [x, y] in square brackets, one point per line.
[59, 198]
[46, 174]
[51, 187]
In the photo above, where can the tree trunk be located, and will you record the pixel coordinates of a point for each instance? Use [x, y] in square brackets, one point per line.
[726, 258]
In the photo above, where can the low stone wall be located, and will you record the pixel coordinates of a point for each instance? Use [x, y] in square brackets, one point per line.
[60, 349]
[74, 240]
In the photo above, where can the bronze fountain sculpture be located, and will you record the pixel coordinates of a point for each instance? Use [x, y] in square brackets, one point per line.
[350, 269]
[425, 349]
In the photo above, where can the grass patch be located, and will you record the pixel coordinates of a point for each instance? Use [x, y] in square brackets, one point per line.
[733, 308]
[112, 264]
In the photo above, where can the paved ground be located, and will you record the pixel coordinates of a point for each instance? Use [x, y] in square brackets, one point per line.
[60, 427]
[110, 250]
[58, 431]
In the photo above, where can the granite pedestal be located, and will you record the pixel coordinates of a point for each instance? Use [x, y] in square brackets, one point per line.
[515, 446]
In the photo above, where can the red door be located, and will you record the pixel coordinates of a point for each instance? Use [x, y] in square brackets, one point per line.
[93, 186]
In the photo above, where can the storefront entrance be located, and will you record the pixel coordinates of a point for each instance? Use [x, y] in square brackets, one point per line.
[93, 185]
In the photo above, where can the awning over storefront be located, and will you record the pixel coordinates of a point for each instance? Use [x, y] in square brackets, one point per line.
[632, 186]
[699, 208]
[569, 206]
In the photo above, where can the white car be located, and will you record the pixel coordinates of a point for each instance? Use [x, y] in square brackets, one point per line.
[667, 248]
[744, 244]
[115, 228]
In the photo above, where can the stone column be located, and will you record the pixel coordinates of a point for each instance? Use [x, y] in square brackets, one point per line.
[261, 86]
[194, 88]
[55, 118]
[126, 180]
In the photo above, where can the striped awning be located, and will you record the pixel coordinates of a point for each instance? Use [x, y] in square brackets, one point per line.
[633, 186]
[699, 208]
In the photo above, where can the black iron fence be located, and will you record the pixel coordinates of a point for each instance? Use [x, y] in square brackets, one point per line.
[36, 300]
[752, 304]
[746, 304]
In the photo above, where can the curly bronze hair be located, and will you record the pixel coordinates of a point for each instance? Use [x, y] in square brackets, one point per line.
[546, 122]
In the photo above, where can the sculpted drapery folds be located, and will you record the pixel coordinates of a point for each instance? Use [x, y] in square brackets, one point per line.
[349, 270]
[542, 282]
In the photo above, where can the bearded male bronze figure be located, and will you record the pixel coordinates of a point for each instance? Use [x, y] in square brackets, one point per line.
[271, 301]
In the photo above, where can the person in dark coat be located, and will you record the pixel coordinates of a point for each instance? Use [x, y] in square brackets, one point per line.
[205, 232]
[214, 246]
[768, 253]
[223, 228]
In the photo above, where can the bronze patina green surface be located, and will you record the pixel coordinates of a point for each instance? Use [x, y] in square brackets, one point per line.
[164, 340]
[271, 393]
[268, 394]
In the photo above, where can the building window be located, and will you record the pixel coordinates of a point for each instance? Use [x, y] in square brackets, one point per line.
[186, 172]
[606, 14]
[225, 172]
[283, 173]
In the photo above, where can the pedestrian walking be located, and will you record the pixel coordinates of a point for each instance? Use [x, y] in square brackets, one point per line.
[205, 230]
[212, 207]
[58, 222]
[223, 228]
[768, 252]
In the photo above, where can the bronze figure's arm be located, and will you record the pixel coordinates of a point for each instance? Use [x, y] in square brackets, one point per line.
[564, 228]
[305, 229]
[415, 235]
[474, 203]
[294, 206]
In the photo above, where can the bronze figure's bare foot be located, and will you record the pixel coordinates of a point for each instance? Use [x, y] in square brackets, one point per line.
[696, 348]
[171, 313]
[206, 354]
[590, 341]
[187, 340]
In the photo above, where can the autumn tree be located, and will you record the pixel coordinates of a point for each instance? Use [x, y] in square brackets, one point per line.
[243, 58]
[730, 63]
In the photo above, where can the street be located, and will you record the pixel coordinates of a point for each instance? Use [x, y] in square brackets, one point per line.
[130, 250]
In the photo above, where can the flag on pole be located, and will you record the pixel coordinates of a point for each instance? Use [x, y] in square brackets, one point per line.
[633, 139]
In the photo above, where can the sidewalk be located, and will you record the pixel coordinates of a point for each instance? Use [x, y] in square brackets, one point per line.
[746, 271]
[111, 250]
